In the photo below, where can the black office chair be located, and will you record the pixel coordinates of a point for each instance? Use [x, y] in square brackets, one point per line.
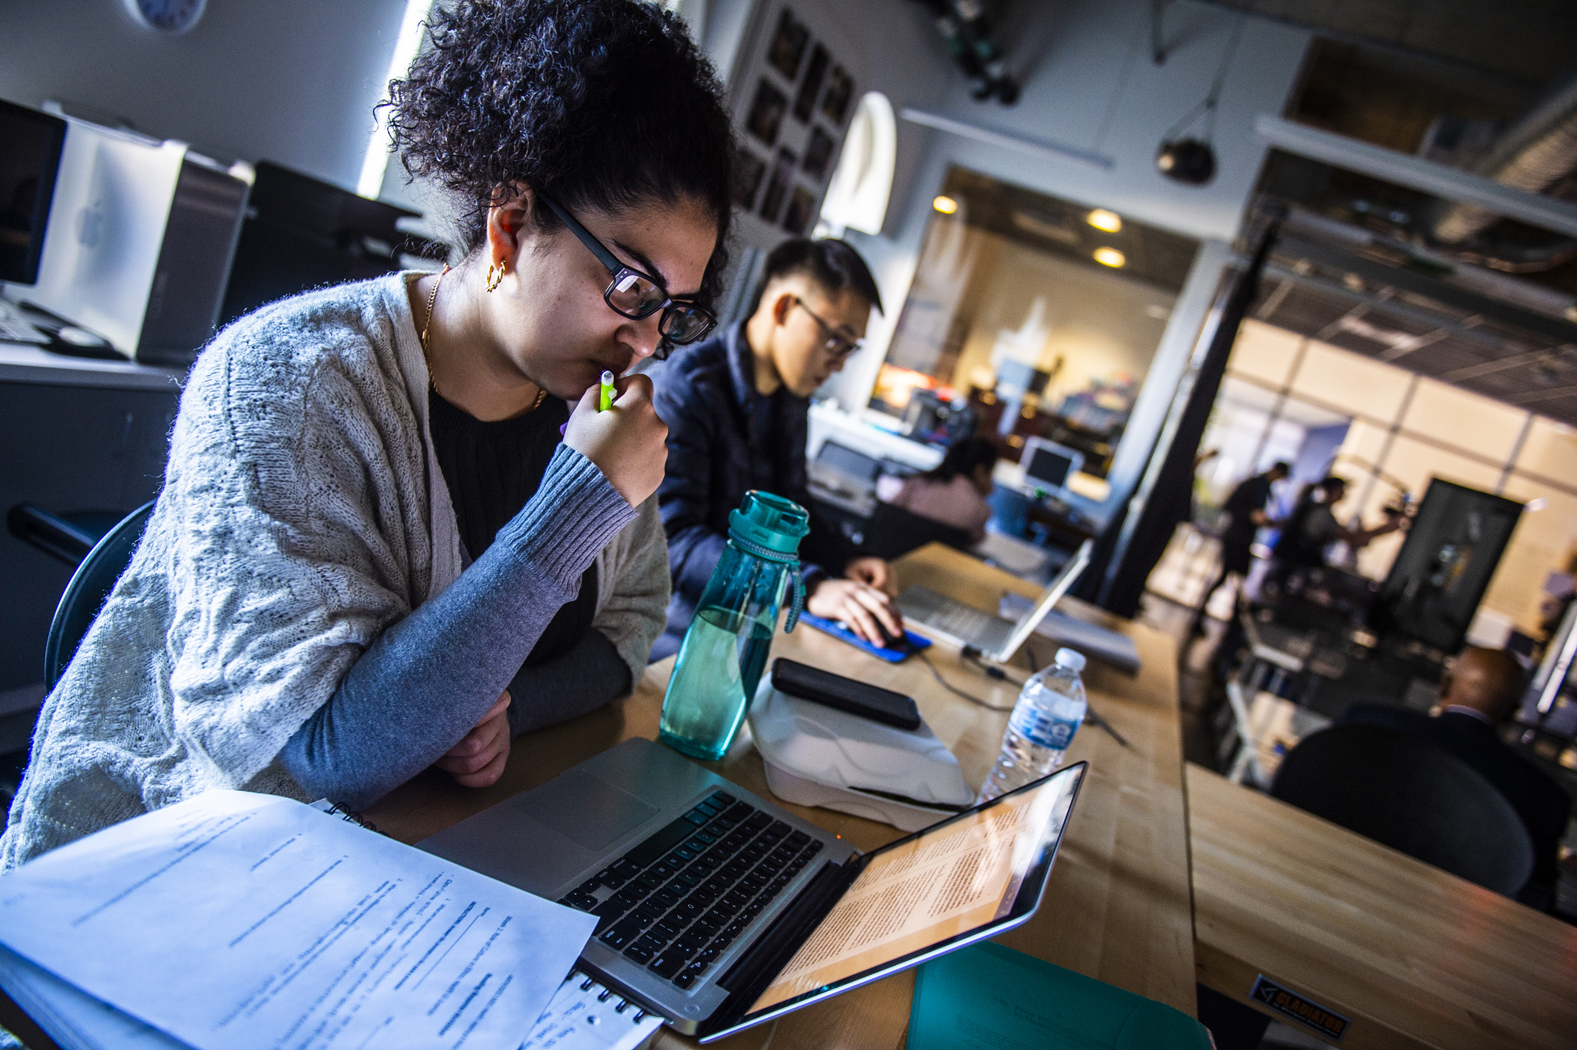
[1410, 795]
[87, 590]
[893, 532]
[65, 537]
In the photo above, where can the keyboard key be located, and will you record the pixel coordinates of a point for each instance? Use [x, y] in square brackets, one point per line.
[591, 885]
[686, 853]
[609, 910]
[660, 842]
[707, 955]
[652, 910]
[799, 838]
[815, 845]
[668, 896]
[685, 979]
[697, 817]
[692, 939]
[702, 839]
[721, 798]
[689, 878]
[779, 829]
[666, 930]
[621, 933]
[759, 821]
[642, 950]
[625, 868]
[688, 909]
[669, 962]
[583, 901]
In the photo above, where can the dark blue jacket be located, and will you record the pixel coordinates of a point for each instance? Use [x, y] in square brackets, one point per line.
[725, 439]
[1541, 803]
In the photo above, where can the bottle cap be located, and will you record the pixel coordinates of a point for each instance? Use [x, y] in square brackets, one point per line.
[1070, 658]
[771, 521]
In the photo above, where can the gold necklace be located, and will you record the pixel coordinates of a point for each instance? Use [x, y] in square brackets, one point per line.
[427, 322]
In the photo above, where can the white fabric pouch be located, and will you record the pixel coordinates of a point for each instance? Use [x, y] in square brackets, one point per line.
[819, 756]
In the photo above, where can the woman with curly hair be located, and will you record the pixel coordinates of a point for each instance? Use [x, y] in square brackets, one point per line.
[394, 529]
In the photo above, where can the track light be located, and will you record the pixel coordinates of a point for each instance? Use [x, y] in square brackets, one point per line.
[1189, 161]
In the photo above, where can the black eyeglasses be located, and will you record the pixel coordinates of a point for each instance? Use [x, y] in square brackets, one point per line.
[838, 345]
[638, 295]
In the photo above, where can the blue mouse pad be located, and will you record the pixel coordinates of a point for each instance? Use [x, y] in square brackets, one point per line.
[837, 630]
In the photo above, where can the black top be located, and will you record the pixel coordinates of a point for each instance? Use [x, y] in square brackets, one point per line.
[1241, 505]
[492, 470]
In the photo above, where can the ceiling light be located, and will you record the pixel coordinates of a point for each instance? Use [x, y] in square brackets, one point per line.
[1110, 257]
[945, 204]
[1102, 219]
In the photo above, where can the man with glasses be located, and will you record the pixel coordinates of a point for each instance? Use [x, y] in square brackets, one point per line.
[736, 406]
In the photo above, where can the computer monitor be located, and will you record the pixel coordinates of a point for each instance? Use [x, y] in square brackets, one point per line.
[853, 465]
[30, 144]
[1048, 465]
[1441, 572]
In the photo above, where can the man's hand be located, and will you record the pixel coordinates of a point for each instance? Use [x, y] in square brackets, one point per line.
[859, 605]
[872, 571]
[628, 442]
[478, 759]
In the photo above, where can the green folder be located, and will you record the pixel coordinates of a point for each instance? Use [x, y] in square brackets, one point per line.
[987, 997]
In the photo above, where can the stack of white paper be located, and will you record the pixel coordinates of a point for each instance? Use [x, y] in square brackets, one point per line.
[236, 921]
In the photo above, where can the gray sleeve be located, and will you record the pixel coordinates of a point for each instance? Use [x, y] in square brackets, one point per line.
[581, 680]
[427, 680]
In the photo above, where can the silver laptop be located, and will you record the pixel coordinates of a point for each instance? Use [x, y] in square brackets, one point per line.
[719, 910]
[964, 625]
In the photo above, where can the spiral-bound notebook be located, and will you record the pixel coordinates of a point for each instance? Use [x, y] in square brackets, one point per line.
[586, 1016]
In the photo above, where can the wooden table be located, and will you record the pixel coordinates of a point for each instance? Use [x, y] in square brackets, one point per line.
[1117, 906]
[1413, 956]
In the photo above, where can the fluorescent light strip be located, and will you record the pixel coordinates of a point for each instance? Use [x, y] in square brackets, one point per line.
[376, 161]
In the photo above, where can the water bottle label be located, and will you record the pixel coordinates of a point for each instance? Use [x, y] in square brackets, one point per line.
[1044, 730]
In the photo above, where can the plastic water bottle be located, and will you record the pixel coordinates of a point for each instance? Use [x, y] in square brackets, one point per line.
[725, 648]
[1041, 727]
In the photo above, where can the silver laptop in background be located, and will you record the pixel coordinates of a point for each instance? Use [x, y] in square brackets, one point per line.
[964, 625]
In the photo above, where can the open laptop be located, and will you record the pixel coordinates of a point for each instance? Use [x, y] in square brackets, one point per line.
[719, 910]
[964, 625]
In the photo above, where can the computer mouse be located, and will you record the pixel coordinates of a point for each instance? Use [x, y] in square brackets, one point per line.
[897, 643]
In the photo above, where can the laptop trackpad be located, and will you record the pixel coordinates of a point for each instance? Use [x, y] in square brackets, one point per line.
[586, 810]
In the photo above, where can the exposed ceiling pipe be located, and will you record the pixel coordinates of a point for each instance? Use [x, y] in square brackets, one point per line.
[1534, 155]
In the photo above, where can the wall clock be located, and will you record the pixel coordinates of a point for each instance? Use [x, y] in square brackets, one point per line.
[167, 16]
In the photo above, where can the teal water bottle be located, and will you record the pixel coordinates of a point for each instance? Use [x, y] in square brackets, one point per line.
[725, 649]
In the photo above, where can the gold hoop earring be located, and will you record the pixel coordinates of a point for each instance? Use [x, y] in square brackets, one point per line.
[495, 274]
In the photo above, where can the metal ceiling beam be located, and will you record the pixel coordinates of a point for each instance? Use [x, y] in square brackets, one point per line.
[1004, 140]
[1554, 329]
[1415, 173]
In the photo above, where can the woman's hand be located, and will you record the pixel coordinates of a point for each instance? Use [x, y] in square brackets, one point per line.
[871, 571]
[478, 759]
[865, 609]
[628, 442]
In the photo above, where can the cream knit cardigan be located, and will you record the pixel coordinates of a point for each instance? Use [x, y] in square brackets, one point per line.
[303, 512]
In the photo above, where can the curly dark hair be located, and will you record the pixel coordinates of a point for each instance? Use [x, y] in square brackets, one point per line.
[596, 103]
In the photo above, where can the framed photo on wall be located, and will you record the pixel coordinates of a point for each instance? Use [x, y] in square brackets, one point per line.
[766, 112]
[788, 45]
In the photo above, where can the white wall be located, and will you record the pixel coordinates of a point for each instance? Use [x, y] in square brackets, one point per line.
[292, 81]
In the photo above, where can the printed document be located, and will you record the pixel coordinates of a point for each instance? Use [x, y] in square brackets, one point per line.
[245, 921]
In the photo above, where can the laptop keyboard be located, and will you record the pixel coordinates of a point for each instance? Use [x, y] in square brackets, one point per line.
[959, 620]
[682, 896]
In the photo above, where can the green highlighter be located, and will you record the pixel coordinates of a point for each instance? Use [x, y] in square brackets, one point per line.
[605, 399]
[987, 997]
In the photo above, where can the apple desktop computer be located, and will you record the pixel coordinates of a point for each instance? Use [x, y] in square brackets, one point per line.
[137, 240]
[1048, 466]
